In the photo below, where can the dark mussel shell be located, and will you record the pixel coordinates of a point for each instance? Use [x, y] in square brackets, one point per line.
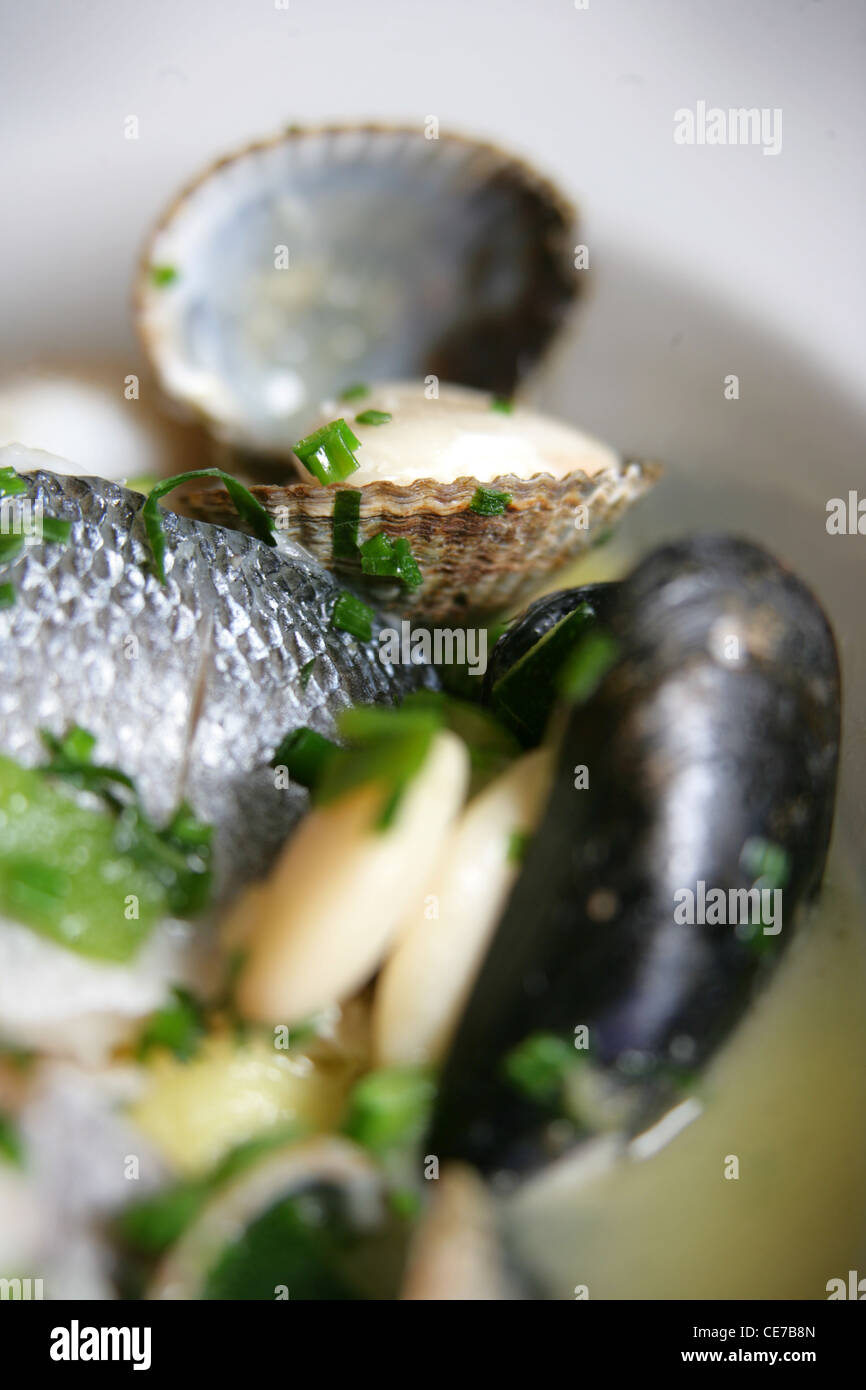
[522, 682]
[714, 735]
[537, 620]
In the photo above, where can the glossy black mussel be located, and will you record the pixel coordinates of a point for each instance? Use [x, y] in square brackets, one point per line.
[688, 822]
[521, 681]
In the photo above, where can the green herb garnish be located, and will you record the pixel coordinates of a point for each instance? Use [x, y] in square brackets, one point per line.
[11, 544]
[373, 417]
[352, 615]
[583, 673]
[71, 759]
[487, 501]
[53, 529]
[11, 1148]
[304, 753]
[355, 392]
[539, 1066]
[245, 505]
[178, 1028]
[63, 873]
[518, 842]
[179, 855]
[344, 524]
[385, 747]
[10, 483]
[390, 1108]
[328, 452]
[176, 857]
[306, 671]
[404, 1203]
[392, 559]
[162, 275]
[766, 862]
[502, 404]
[491, 747]
[76, 746]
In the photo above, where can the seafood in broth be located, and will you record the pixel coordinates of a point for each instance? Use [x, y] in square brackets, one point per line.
[295, 919]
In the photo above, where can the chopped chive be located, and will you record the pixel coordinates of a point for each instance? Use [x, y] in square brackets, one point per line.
[518, 841]
[245, 504]
[10, 483]
[66, 869]
[76, 746]
[539, 1065]
[582, 675]
[377, 555]
[328, 452]
[178, 855]
[373, 417]
[362, 723]
[344, 525]
[404, 1203]
[304, 753]
[502, 404]
[355, 391]
[390, 1108]
[71, 759]
[178, 1028]
[392, 559]
[307, 671]
[766, 861]
[487, 501]
[385, 747]
[491, 747]
[53, 529]
[11, 542]
[408, 568]
[162, 275]
[11, 1148]
[352, 615]
[186, 828]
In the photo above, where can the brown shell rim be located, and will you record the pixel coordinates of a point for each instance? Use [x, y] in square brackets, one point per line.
[438, 497]
[521, 168]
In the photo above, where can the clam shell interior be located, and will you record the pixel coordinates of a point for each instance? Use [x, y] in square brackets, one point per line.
[326, 256]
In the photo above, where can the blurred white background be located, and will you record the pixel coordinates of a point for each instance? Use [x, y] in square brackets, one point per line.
[589, 94]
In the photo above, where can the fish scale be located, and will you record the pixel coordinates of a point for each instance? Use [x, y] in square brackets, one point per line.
[188, 686]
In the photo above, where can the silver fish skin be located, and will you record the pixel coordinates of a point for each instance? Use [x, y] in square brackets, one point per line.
[189, 686]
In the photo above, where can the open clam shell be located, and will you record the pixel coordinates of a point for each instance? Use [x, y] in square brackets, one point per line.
[564, 489]
[325, 256]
